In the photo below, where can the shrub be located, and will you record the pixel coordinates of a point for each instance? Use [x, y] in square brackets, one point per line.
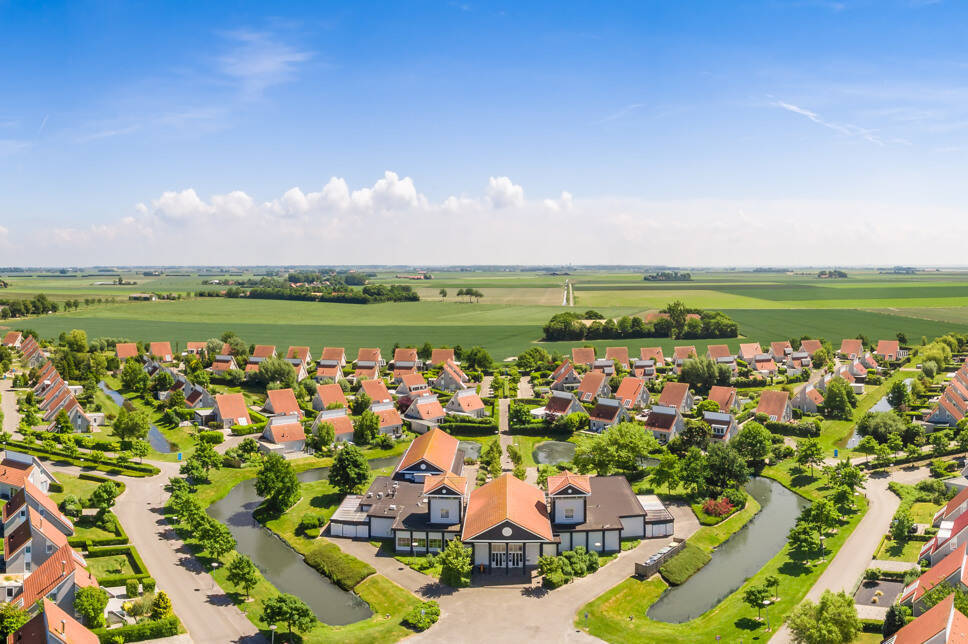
[71, 506]
[308, 522]
[148, 584]
[717, 507]
[215, 437]
[422, 616]
[147, 630]
[344, 570]
[685, 564]
[735, 496]
[131, 587]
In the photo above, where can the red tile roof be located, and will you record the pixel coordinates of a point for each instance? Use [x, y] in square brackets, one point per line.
[411, 380]
[11, 338]
[583, 355]
[749, 350]
[851, 347]
[368, 355]
[456, 483]
[888, 347]
[810, 346]
[428, 407]
[333, 353]
[287, 432]
[283, 402]
[300, 353]
[683, 353]
[405, 354]
[264, 351]
[469, 401]
[437, 447]
[58, 566]
[942, 618]
[389, 417]
[780, 348]
[652, 353]
[592, 383]
[673, 394]
[954, 562]
[440, 356]
[723, 396]
[160, 349]
[331, 393]
[507, 499]
[630, 390]
[232, 406]
[618, 354]
[773, 403]
[376, 390]
[717, 351]
[558, 482]
[126, 350]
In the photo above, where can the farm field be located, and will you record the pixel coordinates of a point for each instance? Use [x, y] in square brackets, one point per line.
[508, 319]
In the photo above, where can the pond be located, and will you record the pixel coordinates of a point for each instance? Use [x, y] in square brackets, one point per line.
[880, 405]
[553, 452]
[280, 564]
[472, 449]
[738, 559]
[156, 439]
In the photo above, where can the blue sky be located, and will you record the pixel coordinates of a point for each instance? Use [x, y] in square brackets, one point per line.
[672, 127]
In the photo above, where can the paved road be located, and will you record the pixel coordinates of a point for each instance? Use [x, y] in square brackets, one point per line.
[9, 405]
[524, 387]
[858, 551]
[517, 611]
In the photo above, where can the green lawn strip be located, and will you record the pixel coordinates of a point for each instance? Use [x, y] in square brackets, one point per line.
[85, 528]
[731, 619]
[527, 443]
[894, 551]
[110, 566]
[923, 512]
[685, 564]
[72, 485]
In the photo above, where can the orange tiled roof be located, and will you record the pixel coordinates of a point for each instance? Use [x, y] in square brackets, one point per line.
[507, 499]
[437, 447]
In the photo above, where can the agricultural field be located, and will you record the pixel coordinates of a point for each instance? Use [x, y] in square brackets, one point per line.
[514, 306]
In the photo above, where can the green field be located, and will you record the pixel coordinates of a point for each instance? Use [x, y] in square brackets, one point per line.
[767, 306]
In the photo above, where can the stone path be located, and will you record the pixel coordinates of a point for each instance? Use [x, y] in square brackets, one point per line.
[486, 386]
[503, 424]
[524, 387]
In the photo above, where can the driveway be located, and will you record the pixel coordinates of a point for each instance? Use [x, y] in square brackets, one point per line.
[8, 403]
[525, 390]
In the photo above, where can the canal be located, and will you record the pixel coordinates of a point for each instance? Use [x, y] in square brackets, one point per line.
[156, 439]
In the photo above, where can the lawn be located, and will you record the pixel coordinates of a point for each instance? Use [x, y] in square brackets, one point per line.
[85, 528]
[110, 566]
[73, 485]
[894, 551]
[923, 512]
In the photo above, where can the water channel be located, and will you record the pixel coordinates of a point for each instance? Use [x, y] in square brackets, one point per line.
[738, 559]
[879, 406]
[155, 438]
[280, 564]
[553, 452]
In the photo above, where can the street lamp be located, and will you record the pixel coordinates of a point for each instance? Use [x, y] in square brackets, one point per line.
[766, 607]
[273, 629]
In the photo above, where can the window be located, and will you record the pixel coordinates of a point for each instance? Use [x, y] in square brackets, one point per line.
[50, 548]
[434, 543]
[9, 592]
[772, 417]
[444, 513]
[420, 543]
[403, 542]
[23, 513]
[569, 513]
[27, 566]
[28, 550]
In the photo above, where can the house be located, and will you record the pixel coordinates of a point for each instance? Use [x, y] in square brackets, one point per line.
[196, 396]
[565, 378]
[260, 353]
[583, 356]
[944, 413]
[466, 403]
[390, 421]
[339, 419]
[680, 355]
[230, 409]
[857, 370]
[196, 348]
[593, 385]
[223, 364]
[810, 346]
[952, 509]
[561, 403]
[748, 352]
[780, 350]
[13, 339]
[282, 402]
[125, 350]
[951, 534]
[942, 624]
[722, 425]
[285, 434]
[604, 365]
[652, 353]
[507, 525]
[726, 397]
[424, 412]
[435, 452]
[890, 350]
[300, 353]
[720, 354]
[797, 361]
[29, 540]
[644, 369]
[31, 499]
[440, 356]
[851, 349]
[776, 405]
[951, 570]
[53, 625]
[763, 364]
[376, 390]
[664, 422]
[607, 412]
[161, 351]
[18, 469]
[598, 512]
[807, 399]
[677, 394]
[451, 378]
[411, 383]
[618, 355]
[327, 395]
[369, 359]
[331, 364]
[632, 393]
[418, 517]
[57, 579]
[31, 355]
[405, 361]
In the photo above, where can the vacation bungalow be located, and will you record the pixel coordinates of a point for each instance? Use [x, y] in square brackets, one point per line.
[405, 361]
[807, 399]
[890, 350]
[29, 540]
[810, 346]
[632, 393]
[593, 385]
[951, 534]
[376, 391]
[466, 403]
[327, 396]
[565, 378]
[680, 355]
[619, 355]
[748, 352]
[796, 362]
[161, 351]
[284, 434]
[223, 364]
[720, 354]
[424, 413]
[952, 509]
[410, 383]
[451, 378]
[677, 394]
[561, 403]
[605, 366]
[942, 624]
[17, 470]
[776, 405]
[57, 579]
[282, 402]
[664, 422]
[779, 351]
[952, 570]
[652, 353]
[851, 348]
[390, 421]
[726, 397]
[13, 339]
[584, 356]
[763, 364]
[125, 350]
[260, 353]
[435, 452]
[53, 625]
[944, 414]
[230, 409]
[644, 369]
[722, 425]
[607, 412]
[339, 419]
[331, 364]
[369, 360]
[440, 356]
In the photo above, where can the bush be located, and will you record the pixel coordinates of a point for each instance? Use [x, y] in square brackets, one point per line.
[71, 506]
[146, 630]
[344, 570]
[213, 437]
[422, 616]
[717, 507]
[131, 588]
[735, 496]
[245, 430]
[308, 522]
[148, 584]
[684, 564]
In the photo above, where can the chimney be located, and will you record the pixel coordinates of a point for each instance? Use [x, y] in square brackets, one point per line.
[63, 626]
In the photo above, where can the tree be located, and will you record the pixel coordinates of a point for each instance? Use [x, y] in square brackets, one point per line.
[901, 526]
[833, 620]
[161, 606]
[692, 470]
[895, 443]
[478, 359]
[867, 446]
[133, 376]
[696, 432]
[276, 369]
[822, 515]
[243, 573]
[11, 618]
[103, 498]
[772, 581]
[809, 453]
[455, 563]
[899, 396]
[63, 423]
[89, 603]
[895, 619]
[666, 472]
[620, 447]
[162, 381]
[836, 400]
[361, 403]
[324, 436]
[755, 596]
[277, 483]
[753, 441]
[130, 425]
[940, 441]
[140, 449]
[442, 292]
[289, 610]
[725, 467]
[216, 538]
[702, 373]
[366, 428]
[802, 538]
[206, 456]
[350, 470]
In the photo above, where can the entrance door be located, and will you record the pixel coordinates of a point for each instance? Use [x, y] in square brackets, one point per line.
[516, 554]
[498, 555]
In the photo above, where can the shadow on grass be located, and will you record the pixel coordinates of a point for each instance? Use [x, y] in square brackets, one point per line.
[748, 624]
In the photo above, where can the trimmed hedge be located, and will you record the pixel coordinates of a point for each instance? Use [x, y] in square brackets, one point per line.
[87, 476]
[120, 538]
[146, 630]
[344, 570]
[214, 437]
[141, 571]
[872, 626]
[245, 430]
[804, 429]
[684, 564]
[470, 429]
[105, 465]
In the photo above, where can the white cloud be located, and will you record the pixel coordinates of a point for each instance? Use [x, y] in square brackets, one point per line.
[502, 192]
[843, 128]
[258, 60]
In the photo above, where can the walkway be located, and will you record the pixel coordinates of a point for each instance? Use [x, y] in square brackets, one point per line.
[524, 387]
[8, 403]
[482, 613]
[857, 553]
[503, 424]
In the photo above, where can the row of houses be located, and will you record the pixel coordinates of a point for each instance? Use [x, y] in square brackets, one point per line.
[54, 395]
[952, 405]
[507, 522]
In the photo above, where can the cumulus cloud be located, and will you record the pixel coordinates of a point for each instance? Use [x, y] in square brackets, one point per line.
[503, 193]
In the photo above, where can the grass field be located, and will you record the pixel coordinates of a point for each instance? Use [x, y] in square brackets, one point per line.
[767, 306]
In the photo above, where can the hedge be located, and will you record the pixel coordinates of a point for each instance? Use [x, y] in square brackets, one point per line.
[530, 428]
[214, 437]
[105, 465]
[684, 564]
[120, 538]
[804, 430]
[146, 630]
[344, 570]
[245, 430]
[140, 570]
[469, 428]
[872, 626]
[86, 476]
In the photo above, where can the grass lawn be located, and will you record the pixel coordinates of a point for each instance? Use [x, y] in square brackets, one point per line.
[527, 443]
[79, 487]
[178, 437]
[85, 528]
[110, 565]
[922, 512]
[835, 433]
[894, 551]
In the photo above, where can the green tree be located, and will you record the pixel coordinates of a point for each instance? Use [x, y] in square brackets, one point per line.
[63, 423]
[289, 610]
[366, 428]
[802, 538]
[901, 526]
[130, 425]
[455, 564]
[216, 538]
[442, 292]
[350, 470]
[161, 606]
[833, 620]
[755, 596]
[897, 616]
[666, 472]
[140, 449]
[822, 515]
[899, 396]
[753, 441]
[361, 403]
[11, 618]
[940, 441]
[725, 467]
[836, 400]
[76, 340]
[275, 369]
[895, 443]
[772, 581]
[103, 498]
[867, 446]
[702, 373]
[478, 359]
[324, 436]
[133, 376]
[692, 471]
[809, 453]
[243, 574]
[89, 603]
[277, 483]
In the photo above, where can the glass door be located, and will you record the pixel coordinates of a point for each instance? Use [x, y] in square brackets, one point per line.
[498, 555]
[516, 554]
